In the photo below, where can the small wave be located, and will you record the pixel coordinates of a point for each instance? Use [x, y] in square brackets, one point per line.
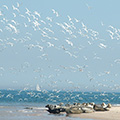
[4, 106]
[10, 111]
[118, 105]
[40, 108]
[24, 111]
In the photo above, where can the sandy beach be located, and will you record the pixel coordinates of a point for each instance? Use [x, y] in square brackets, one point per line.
[113, 114]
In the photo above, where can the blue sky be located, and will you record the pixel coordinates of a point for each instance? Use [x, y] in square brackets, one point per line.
[63, 45]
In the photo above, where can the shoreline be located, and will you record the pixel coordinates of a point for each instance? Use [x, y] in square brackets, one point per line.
[113, 114]
[37, 113]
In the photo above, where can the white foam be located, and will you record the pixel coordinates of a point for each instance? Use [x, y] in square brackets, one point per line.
[40, 108]
[116, 105]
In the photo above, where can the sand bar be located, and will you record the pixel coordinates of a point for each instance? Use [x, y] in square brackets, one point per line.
[113, 114]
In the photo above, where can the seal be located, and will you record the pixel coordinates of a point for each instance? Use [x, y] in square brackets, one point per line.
[102, 107]
[74, 110]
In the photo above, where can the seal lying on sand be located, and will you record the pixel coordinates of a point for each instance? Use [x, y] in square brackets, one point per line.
[102, 107]
[55, 109]
[78, 108]
[74, 110]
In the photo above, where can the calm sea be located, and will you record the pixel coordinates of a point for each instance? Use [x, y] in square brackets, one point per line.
[14, 102]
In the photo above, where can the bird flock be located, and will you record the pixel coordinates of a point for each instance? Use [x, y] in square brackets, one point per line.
[57, 52]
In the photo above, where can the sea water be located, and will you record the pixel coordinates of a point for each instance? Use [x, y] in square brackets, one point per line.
[13, 103]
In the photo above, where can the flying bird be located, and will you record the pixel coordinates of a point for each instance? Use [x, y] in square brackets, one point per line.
[5, 6]
[15, 8]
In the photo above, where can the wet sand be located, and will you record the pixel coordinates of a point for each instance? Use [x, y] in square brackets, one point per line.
[113, 114]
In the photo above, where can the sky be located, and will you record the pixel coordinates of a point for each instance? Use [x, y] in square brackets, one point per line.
[60, 45]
